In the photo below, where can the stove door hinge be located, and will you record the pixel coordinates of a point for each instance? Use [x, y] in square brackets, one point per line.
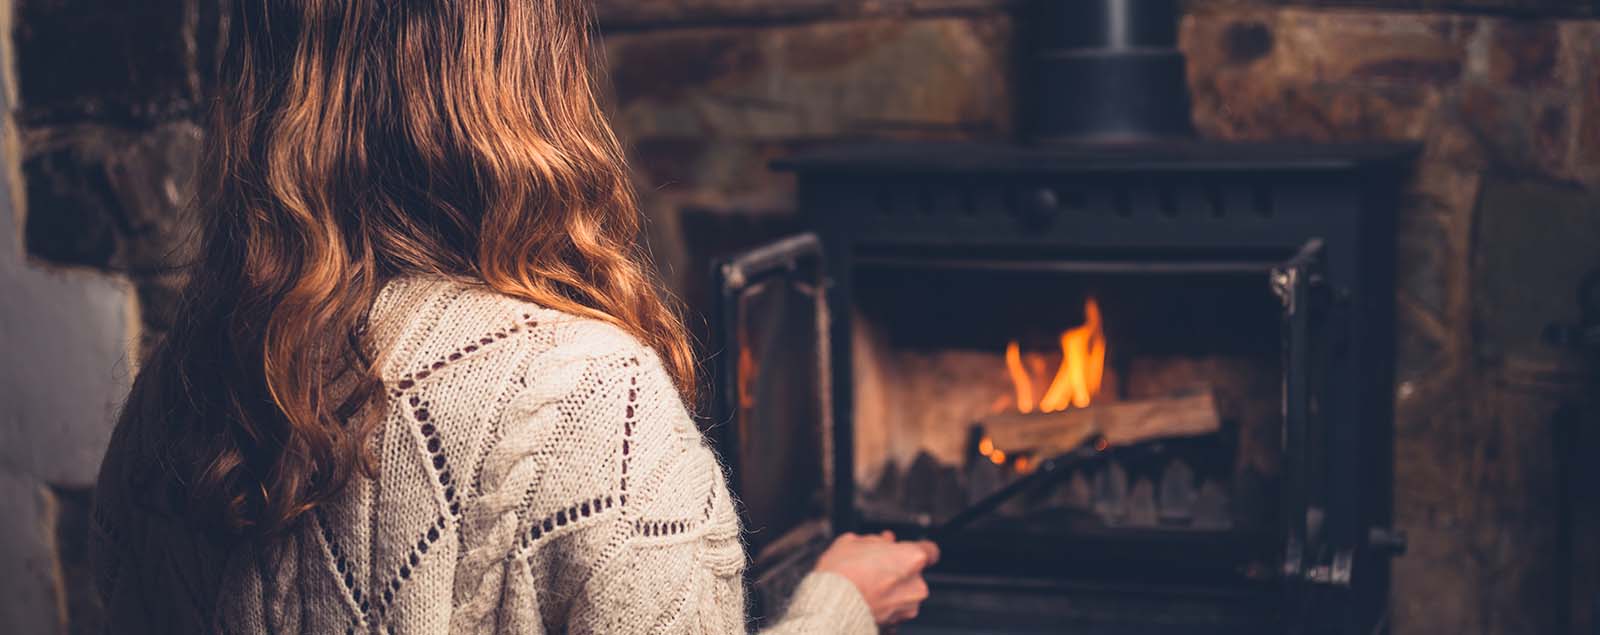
[783, 255]
[1303, 268]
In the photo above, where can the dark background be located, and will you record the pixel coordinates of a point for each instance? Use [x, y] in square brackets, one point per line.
[1500, 221]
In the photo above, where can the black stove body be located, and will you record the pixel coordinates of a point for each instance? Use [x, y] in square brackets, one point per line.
[1297, 241]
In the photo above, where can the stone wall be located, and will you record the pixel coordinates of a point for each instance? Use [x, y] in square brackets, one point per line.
[1501, 222]
[1501, 219]
[67, 334]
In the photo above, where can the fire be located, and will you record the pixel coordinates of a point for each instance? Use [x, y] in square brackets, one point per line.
[1019, 377]
[1075, 385]
[1077, 380]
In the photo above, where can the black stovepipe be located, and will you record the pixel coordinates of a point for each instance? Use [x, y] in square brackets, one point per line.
[1103, 71]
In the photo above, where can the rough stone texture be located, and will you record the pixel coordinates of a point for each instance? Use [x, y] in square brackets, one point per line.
[125, 60]
[643, 14]
[95, 203]
[117, 200]
[71, 521]
[108, 96]
[818, 80]
[1498, 227]
[68, 335]
[1520, 8]
[30, 606]
[633, 14]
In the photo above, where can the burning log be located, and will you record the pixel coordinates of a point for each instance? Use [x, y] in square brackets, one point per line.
[1120, 423]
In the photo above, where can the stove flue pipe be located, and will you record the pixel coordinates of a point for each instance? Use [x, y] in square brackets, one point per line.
[1103, 71]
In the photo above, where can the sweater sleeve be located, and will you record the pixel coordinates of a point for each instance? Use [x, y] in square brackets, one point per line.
[655, 546]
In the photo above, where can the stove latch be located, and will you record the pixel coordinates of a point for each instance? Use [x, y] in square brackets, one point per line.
[1382, 540]
[1336, 573]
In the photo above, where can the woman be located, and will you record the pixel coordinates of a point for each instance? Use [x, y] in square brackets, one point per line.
[422, 382]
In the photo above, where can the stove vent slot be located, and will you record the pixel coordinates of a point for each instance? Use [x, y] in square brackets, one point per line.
[1262, 201]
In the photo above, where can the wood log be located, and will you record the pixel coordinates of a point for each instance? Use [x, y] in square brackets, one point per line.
[1120, 423]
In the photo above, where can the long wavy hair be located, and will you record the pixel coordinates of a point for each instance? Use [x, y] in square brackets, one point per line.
[353, 141]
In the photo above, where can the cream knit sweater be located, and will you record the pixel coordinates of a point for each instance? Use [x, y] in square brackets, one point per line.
[537, 474]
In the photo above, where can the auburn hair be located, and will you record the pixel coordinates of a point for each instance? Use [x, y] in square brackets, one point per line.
[352, 141]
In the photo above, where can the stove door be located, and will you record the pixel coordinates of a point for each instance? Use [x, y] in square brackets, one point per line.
[773, 404]
[1309, 567]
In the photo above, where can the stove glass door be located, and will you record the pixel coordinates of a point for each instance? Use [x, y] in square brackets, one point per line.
[773, 404]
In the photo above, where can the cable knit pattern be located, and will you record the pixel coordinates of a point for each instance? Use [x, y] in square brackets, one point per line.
[537, 474]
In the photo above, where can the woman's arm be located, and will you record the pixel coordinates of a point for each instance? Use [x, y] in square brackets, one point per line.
[623, 521]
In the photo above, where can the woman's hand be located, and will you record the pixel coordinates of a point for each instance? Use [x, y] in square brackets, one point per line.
[888, 573]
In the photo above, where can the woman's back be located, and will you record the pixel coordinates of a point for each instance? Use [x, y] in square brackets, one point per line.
[535, 472]
[422, 380]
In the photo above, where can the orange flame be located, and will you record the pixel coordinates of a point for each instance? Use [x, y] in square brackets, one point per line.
[1020, 378]
[1077, 380]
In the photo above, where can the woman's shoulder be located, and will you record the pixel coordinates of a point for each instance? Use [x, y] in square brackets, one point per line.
[460, 345]
[515, 380]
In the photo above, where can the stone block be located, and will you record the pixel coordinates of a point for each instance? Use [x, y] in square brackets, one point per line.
[1526, 277]
[30, 589]
[76, 217]
[944, 75]
[1524, 53]
[110, 198]
[736, 173]
[124, 59]
[69, 337]
[117, 200]
[634, 14]
[1518, 129]
[1477, 502]
[1430, 444]
[1436, 585]
[1262, 74]
[1581, 69]
[1428, 257]
[1549, 8]
[1372, 47]
[71, 520]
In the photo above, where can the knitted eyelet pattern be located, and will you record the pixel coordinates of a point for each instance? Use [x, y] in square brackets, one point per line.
[372, 604]
[591, 507]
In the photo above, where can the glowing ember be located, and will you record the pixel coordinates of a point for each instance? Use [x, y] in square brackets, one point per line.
[994, 454]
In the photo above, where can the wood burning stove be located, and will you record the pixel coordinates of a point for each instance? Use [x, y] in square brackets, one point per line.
[1131, 381]
[1202, 331]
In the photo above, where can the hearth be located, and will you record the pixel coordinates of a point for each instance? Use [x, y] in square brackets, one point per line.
[1200, 332]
